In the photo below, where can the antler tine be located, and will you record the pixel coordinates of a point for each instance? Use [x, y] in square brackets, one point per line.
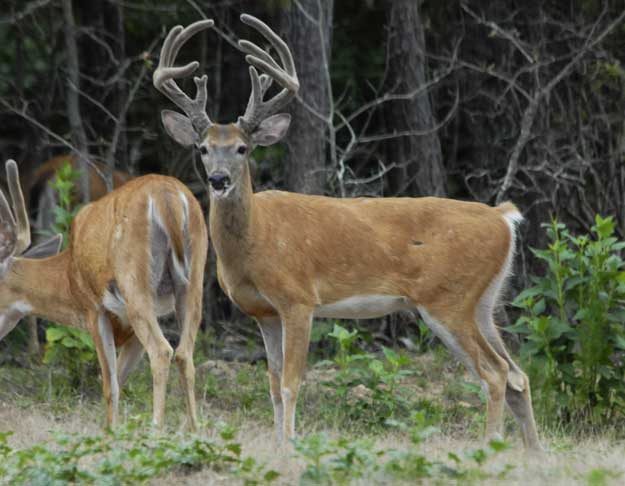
[165, 74]
[275, 40]
[6, 215]
[260, 85]
[8, 228]
[19, 207]
[286, 76]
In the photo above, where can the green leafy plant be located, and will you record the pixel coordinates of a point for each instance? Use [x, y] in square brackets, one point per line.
[128, 455]
[366, 384]
[343, 461]
[72, 348]
[573, 325]
[335, 461]
[65, 186]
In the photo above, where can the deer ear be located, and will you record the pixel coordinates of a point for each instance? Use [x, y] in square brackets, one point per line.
[179, 127]
[271, 129]
[48, 248]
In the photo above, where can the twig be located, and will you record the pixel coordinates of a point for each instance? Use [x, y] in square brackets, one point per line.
[532, 107]
[29, 9]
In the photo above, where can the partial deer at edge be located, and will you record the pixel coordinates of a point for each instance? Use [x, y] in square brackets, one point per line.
[286, 258]
[134, 255]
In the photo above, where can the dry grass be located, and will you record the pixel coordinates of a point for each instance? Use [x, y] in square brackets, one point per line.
[568, 462]
[27, 410]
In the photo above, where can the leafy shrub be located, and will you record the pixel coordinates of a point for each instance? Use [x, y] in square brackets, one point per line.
[365, 384]
[73, 350]
[573, 325]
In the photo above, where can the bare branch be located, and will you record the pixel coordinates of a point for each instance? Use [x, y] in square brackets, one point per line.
[532, 107]
[499, 31]
[28, 10]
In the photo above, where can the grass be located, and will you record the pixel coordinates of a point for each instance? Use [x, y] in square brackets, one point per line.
[37, 402]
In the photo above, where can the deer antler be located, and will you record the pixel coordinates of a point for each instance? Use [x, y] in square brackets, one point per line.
[257, 109]
[165, 74]
[14, 235]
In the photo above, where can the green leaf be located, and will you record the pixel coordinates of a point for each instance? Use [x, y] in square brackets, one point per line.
[604, 227]
[271, 476]
[69, 342]
[55, 334]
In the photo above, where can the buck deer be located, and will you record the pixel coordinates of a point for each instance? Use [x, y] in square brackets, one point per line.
[285, 258]
[135, 254]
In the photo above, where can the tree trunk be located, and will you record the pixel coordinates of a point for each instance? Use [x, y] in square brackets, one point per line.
[419, 157]
[113, 19]
[79, 136]
[309, 37]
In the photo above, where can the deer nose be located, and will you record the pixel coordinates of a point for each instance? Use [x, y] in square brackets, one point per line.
[219, 180]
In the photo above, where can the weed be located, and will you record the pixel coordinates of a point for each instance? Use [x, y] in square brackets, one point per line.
[342, 461]
[128, 455]
[367, 386]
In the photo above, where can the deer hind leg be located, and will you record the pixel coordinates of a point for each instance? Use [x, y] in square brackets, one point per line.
[470, 346]
[130, 354]
[189, 316]
[296, 327]
[518, 395]
[140, 309]
[271, 329]
[102, 333]
[160, 352]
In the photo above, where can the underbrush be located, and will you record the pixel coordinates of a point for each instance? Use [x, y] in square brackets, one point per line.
[350, 434]
[573, 329]
[348, 461]
[128, 455]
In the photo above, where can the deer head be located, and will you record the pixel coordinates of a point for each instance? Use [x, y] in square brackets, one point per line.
[225, 149]
[14, 245]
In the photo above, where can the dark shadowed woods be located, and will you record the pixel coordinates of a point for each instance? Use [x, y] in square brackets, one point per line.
[478, 100]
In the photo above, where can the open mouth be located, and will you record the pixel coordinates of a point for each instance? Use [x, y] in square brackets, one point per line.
[220, 184]
[221, 191]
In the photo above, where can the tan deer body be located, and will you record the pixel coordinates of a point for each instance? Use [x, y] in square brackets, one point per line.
[285, 258]
[136, 254]
[40, 200]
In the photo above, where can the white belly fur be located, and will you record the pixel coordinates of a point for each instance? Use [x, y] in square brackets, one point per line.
[364, 307]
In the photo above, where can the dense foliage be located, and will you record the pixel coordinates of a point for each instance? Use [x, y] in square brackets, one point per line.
[572, 325]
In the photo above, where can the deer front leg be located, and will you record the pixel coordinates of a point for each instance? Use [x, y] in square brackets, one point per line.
[271, 329]
[33, 338]
[296, 327]
[102, 334]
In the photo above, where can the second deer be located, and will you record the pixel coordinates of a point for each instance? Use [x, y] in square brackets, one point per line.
[134, 255]
[286, 258]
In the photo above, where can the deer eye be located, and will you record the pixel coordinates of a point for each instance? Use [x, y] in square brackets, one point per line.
[242, 149]
[203, 150]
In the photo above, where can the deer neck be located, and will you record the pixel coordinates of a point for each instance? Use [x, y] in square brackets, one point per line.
[45, 287]
[231, 221]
